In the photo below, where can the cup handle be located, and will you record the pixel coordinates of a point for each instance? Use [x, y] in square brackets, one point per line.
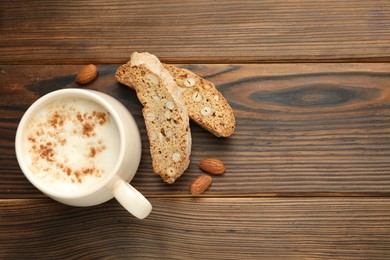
[132, 200]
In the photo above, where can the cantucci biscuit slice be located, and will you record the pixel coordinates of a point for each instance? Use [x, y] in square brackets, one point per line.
[165, 115]
[205, 104]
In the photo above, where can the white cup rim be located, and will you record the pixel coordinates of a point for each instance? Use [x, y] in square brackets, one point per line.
[69, 92]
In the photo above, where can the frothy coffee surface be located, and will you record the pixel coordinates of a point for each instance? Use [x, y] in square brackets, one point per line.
[72, 143]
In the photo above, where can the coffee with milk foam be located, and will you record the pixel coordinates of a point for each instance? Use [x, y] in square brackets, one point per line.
[71, 144]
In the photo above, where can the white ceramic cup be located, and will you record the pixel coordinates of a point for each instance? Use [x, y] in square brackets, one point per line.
[115, 183]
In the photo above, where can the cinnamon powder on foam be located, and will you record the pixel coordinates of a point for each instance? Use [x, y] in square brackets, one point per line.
[48, 138]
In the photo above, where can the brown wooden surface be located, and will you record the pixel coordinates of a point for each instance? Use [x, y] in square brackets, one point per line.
[203, 31]
[211, 228]
[302, 130]
[308, 167]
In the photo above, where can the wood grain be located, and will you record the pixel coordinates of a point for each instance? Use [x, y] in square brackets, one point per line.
[234, 228]
[302, 129]
[97, 31]
[307, 168]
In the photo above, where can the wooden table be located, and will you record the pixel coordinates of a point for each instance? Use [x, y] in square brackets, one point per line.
[308, 167]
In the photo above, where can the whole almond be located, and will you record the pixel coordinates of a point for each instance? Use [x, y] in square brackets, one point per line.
[212, 165]
[87, 74]
[200, 184]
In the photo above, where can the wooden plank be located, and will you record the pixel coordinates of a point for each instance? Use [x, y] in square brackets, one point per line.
[206, 31]
[302, 129]
[235, 228]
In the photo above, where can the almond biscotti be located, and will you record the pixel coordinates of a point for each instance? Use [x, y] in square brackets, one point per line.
[166, 117]
[205, 104]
